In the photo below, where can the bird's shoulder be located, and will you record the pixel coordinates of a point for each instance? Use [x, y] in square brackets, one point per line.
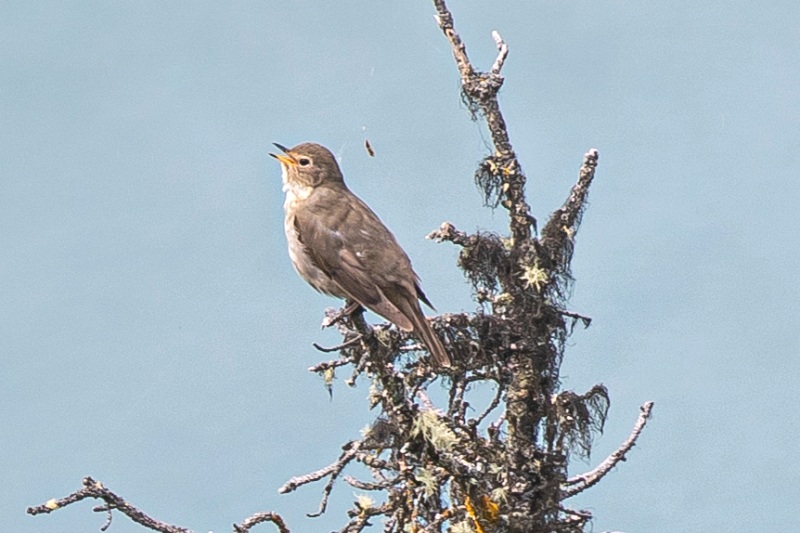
[339, 227]
[334, 213]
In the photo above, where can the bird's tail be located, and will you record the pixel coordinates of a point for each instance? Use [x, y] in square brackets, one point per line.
[430, 338]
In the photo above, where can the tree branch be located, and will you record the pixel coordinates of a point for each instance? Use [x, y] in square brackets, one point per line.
[96, 490]
[332, 470]
[502, 48]
[448, 232]
[336, 348]
[579, 483]
[558, 235]
[500, 171]
[259, 518]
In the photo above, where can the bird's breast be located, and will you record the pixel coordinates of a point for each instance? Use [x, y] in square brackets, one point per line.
[302, 261]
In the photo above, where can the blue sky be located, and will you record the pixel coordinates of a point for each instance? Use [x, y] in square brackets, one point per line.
[154, 335]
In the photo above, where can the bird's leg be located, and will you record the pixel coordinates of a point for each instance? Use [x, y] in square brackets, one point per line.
[367, 333]
[349, 308]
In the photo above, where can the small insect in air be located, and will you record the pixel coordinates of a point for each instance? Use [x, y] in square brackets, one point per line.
[369, 148]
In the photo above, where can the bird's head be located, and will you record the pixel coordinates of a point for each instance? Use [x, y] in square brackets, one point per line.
[308, 165]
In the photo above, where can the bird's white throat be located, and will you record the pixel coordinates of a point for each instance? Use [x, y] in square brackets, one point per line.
[295, 192]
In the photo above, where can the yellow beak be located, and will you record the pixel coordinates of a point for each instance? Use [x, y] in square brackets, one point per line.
[285, 160]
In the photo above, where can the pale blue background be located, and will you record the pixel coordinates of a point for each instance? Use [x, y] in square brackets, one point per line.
[154, 335]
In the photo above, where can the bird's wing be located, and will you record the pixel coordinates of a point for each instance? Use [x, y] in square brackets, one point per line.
[351, 245]
[421, 295]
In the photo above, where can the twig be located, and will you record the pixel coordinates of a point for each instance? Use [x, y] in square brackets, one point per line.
[361, 519]
[586, 320]
[579, 483]
[502, 47]
[332, 470]
[415, 347]
[339, 347]
[327, 365]
[457, 405]
[95, 489]
[576, 517]
[365, 485]
[326, 493]
[259, 518]
[298, 481]
[426, 401]
[448, 232]
[109, 516]
[445, 21]
[447, 514]
[492, 406]
[494, 428]
[456, 408]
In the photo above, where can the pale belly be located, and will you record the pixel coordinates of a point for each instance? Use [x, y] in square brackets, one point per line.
[305, 266]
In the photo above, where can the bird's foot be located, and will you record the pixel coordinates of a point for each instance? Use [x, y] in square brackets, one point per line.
[332, 319]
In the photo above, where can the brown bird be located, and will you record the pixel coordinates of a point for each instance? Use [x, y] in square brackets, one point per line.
[340, 246]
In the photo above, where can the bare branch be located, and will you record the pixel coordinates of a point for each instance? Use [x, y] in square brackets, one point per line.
[361, 518]
[337, 347]
[578, 484]
[498, 395]
[96, 490]
[577, 518]
[109, 516]
[448, 232]
[336, 467]
[259, 518]
[426, 401]
[327, 365]
[436, 524]
[445, 21]
[560, 230]
[494, 427]
[502, 47]
[332, 470]
[501, 171]
[586, 320]
[363, 485]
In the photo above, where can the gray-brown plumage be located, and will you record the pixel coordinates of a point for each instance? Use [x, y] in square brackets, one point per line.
[341, 247]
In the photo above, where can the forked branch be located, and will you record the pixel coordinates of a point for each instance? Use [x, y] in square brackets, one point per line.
[500, 173]
[113, 502]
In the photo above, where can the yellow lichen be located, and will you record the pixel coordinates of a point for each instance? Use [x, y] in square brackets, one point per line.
[535, 277]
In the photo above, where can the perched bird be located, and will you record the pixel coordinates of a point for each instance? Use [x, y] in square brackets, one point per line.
[340, 246]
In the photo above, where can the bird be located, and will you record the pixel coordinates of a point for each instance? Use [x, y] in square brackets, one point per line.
[341, 248]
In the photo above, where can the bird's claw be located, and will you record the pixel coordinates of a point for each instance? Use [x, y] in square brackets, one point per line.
[334, 317]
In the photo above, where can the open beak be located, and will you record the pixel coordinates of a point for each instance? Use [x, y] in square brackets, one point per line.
[284, 159]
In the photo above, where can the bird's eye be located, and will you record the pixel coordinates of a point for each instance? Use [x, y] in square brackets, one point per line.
[304, 161]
